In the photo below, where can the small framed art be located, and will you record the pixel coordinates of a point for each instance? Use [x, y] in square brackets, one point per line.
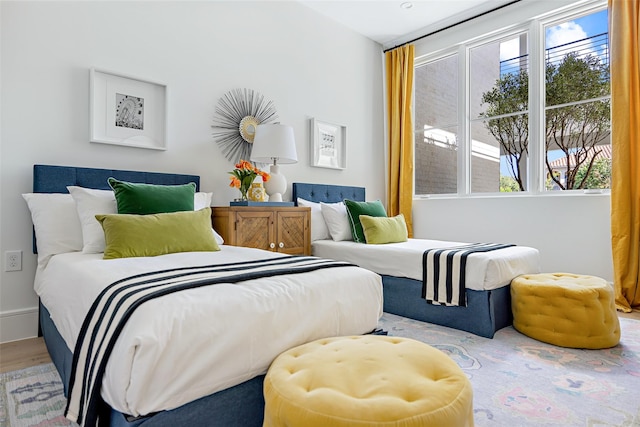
[125, 110]
[328, 145]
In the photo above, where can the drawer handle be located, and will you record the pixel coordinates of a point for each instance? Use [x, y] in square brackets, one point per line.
[281, 245]
[272, 245]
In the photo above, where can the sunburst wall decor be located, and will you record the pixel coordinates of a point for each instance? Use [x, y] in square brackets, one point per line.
[238, 113]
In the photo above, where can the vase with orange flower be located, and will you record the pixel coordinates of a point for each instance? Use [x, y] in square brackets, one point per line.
[257, 192]
[243, 175]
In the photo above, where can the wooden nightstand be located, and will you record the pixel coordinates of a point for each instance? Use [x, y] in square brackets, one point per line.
[278, 229]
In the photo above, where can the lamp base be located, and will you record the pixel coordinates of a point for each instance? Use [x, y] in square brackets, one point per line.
[275, 197]
[277, 184]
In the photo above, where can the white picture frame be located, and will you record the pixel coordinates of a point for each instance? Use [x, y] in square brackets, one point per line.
[328, 145]
[126, 110]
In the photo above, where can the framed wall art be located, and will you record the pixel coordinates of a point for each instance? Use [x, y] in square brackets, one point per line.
[125, 110]
[328, 145]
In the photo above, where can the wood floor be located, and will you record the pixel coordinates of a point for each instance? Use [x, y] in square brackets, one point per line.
[22, 354]
[31, 352]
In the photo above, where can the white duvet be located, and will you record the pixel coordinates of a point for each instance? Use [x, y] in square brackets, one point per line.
[484, 271]
[190, 344]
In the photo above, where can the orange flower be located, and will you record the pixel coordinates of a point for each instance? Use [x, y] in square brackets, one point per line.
[247, 166]
[265, 176]
[235, 182]
[244, 174]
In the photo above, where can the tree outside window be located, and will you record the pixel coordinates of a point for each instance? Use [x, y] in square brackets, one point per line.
[577, 116]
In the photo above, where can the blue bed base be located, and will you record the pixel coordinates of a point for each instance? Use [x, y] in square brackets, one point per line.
[486, 311]
[238, 406]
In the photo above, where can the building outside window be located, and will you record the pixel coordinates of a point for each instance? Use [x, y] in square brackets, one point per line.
[534, 115]
[436, 111]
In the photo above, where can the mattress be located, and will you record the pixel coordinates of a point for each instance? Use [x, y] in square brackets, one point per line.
[180, 347]
[484, 271]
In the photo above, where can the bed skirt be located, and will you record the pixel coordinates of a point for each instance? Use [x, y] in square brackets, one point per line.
[486, 311]
[238, 406]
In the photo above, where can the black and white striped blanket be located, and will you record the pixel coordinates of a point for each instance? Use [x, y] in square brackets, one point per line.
[117, 302]
[444, 272]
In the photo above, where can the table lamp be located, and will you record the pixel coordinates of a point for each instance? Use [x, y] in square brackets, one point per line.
[274, 143]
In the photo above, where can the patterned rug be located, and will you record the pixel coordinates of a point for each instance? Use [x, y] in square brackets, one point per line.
[517, 381]
[32, 397]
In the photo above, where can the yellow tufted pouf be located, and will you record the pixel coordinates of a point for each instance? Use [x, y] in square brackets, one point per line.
[368, 380]
[568, 310]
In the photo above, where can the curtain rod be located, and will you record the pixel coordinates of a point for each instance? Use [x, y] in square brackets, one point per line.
[452, 25]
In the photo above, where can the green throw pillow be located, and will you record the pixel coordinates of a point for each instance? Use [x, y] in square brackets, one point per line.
[143, 199]
[355, 209]
[157, 234]
[384, 230]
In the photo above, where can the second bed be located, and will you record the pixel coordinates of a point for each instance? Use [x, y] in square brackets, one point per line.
[488, 274]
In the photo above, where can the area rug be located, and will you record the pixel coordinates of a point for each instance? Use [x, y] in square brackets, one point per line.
[32, 397]
[517, 381]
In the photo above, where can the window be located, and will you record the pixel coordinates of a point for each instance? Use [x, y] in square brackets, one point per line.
[499, 105]
[534, 119]
[436, 138]
[577, 112]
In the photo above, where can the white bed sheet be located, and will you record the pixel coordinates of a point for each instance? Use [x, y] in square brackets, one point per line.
[183, 346]
[484, 271]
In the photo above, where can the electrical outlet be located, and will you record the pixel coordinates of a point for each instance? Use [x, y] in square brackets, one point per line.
[13, 261]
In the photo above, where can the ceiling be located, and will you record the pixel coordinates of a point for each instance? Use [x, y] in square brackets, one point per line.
[391, 22]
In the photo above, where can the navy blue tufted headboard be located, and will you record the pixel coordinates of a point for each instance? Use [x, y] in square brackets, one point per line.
[55, 179]
[327, 193]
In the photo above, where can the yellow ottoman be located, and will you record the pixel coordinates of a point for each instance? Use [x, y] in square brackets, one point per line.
[368, 380]
[568, 310]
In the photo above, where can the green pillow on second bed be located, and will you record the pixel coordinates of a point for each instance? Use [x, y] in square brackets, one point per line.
[384, 230]
[355, 209]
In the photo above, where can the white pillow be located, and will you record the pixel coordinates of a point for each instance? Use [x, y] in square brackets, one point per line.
[91, 202]
[335, 215]
[56, 223]
[202, 200]
[319, 230]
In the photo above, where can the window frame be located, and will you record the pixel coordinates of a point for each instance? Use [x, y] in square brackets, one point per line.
[535, 28]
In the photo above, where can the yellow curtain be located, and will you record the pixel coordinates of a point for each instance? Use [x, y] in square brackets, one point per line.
[399, 69]
[624, 21]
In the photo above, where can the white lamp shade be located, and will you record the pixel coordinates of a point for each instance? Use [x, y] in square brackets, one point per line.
[274, 143]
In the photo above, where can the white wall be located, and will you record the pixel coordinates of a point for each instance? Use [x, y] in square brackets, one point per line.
[571, 232]
[306, 64]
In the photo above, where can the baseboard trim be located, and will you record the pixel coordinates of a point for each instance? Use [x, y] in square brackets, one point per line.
[18, 324]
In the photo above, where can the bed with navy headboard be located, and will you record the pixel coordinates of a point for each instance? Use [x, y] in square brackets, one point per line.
[225, 404]
[215, 337]
[486, 311]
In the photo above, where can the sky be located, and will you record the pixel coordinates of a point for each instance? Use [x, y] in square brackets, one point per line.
[566, 32]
